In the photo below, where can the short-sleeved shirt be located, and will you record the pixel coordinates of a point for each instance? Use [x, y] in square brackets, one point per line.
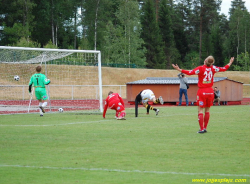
[217, 94]
[145, 95]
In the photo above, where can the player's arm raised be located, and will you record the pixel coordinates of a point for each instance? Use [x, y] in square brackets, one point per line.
[176, 67]
[225, 68]
[188, 72]
[231, 61]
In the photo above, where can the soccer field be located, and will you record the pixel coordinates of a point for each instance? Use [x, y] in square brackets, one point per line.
[77, 147]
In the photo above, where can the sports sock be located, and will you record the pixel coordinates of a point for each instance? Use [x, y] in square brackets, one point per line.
[147, 107]
[44, 104]
[40, 104]
[117, 114]
[206, 119]
[41, 112]
[200, 119]
[157, 100]
[152, 108]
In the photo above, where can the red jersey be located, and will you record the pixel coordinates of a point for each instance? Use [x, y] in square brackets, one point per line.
[112, 101]
[205, 74]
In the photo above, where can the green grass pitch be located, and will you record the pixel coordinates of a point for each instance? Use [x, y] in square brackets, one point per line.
[76, 147]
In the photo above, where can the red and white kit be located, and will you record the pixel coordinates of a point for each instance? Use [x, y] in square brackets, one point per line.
[205, 94]
[114, 101]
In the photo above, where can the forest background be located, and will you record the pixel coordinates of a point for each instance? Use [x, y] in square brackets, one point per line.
[132, 33]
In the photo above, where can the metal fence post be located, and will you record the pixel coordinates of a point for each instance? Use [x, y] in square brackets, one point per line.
[23, 92]
[121, 90]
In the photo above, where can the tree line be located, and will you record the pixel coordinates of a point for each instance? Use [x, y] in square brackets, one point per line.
[147, 33]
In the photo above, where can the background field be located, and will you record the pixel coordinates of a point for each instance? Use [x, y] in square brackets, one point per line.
[75, 75]
[84, 148]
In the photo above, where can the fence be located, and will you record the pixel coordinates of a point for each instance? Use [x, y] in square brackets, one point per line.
[69, 92]
[72, 92]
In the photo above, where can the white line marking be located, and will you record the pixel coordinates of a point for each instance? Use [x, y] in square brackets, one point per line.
[99, 121]
[121, 170]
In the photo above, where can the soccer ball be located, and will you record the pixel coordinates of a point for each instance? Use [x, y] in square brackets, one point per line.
[60, 109]
[16, 77]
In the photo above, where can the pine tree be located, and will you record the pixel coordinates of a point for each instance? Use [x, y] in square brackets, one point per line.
[183, 30]
[236, 4]
[122, 41]
[155, 56]
[17, 20]
[96, 16]
[166, 29]
[205, 11]
[239, 33]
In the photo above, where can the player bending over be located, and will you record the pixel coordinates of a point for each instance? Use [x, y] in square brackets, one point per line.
[114, 101]
[205, 94]
[39, 80]
[143, 97]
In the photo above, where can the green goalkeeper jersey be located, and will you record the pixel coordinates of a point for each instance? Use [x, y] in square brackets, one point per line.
[39, 80]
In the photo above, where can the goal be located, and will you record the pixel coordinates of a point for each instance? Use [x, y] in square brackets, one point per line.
[76, 80]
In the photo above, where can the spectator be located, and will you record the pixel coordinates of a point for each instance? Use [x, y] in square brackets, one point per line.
[183, 88]
[216, 95]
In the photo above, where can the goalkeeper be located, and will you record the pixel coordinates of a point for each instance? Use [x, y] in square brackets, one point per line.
[115, 102]
[143, 97]
[39, 80]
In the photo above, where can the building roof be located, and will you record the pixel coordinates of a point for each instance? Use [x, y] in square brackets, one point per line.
[173, 80]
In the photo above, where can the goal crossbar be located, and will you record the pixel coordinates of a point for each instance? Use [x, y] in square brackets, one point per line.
[44, 49]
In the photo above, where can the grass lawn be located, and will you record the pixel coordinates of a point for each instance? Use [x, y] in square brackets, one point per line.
[76, 147]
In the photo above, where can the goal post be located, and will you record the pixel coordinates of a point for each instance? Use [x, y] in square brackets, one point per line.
[76, 79]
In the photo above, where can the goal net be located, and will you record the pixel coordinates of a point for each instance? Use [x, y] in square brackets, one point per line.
[76, 82]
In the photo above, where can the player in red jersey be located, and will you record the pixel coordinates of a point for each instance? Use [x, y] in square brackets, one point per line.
[114, 101]
[205, 94]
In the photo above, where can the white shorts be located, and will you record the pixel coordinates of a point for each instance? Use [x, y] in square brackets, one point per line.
[147, 95]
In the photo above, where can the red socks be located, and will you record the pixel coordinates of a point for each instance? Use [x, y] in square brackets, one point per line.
[200, 119]
[122, 114]
[206, 119]
[117, 114]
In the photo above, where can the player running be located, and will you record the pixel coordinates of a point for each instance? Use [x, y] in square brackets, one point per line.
[143, 97]
[114, 101]
[39, 80]
[205, 94]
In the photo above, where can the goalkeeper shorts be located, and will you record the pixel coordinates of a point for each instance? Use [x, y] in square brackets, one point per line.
[41, 94]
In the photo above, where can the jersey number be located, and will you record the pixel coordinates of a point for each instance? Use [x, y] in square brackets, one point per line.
[209, 75]
[37, 81]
